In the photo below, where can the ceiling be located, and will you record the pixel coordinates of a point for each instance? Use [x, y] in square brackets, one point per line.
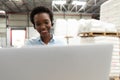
[20, 6]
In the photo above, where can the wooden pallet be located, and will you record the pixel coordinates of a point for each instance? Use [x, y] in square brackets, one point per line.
[92, 34]
[115, 78]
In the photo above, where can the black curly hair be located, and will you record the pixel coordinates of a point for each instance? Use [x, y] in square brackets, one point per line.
[41, 9]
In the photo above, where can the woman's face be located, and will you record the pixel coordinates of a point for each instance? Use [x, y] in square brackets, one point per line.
[42, 24]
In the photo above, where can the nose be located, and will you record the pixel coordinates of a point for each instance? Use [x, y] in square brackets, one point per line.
[43, 25]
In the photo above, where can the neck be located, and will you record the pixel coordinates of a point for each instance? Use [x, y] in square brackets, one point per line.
[46, 39]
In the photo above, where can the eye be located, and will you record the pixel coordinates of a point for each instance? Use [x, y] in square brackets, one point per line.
[46, 22]
[37, 24]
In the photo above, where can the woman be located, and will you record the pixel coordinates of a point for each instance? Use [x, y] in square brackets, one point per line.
[42, 19]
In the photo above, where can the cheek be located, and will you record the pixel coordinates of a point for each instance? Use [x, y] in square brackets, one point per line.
[37, 29]
[48, 26]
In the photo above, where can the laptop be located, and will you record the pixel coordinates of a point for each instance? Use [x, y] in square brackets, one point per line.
[78, 62]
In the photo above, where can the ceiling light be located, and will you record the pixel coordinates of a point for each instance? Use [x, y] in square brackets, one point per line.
[16, 0]
[59, 2]
[2, 12]
[78, 3]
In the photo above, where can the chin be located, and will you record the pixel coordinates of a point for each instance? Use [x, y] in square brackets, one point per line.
[45, 34]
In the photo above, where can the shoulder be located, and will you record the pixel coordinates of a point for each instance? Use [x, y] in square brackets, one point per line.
[32, 41]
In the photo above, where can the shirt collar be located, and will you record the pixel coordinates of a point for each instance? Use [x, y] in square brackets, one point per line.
[51, 41]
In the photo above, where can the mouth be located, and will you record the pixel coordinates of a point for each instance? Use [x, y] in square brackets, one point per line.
[44, 31]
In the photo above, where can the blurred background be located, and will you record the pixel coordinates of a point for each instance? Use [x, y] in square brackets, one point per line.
[75, 22]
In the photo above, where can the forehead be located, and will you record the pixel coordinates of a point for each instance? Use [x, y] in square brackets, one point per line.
[41, 16]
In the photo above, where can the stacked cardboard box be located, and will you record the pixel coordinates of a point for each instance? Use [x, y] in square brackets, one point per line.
[110, 12]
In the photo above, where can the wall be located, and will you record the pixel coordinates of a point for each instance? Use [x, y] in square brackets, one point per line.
[71, 16]
[17, 20]
[2, 32]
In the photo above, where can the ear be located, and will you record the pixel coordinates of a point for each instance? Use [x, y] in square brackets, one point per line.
[52, 24]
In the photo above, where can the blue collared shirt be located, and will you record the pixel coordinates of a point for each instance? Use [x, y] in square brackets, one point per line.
[37, 42]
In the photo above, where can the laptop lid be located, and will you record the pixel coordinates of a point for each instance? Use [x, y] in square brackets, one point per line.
[83, 62]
